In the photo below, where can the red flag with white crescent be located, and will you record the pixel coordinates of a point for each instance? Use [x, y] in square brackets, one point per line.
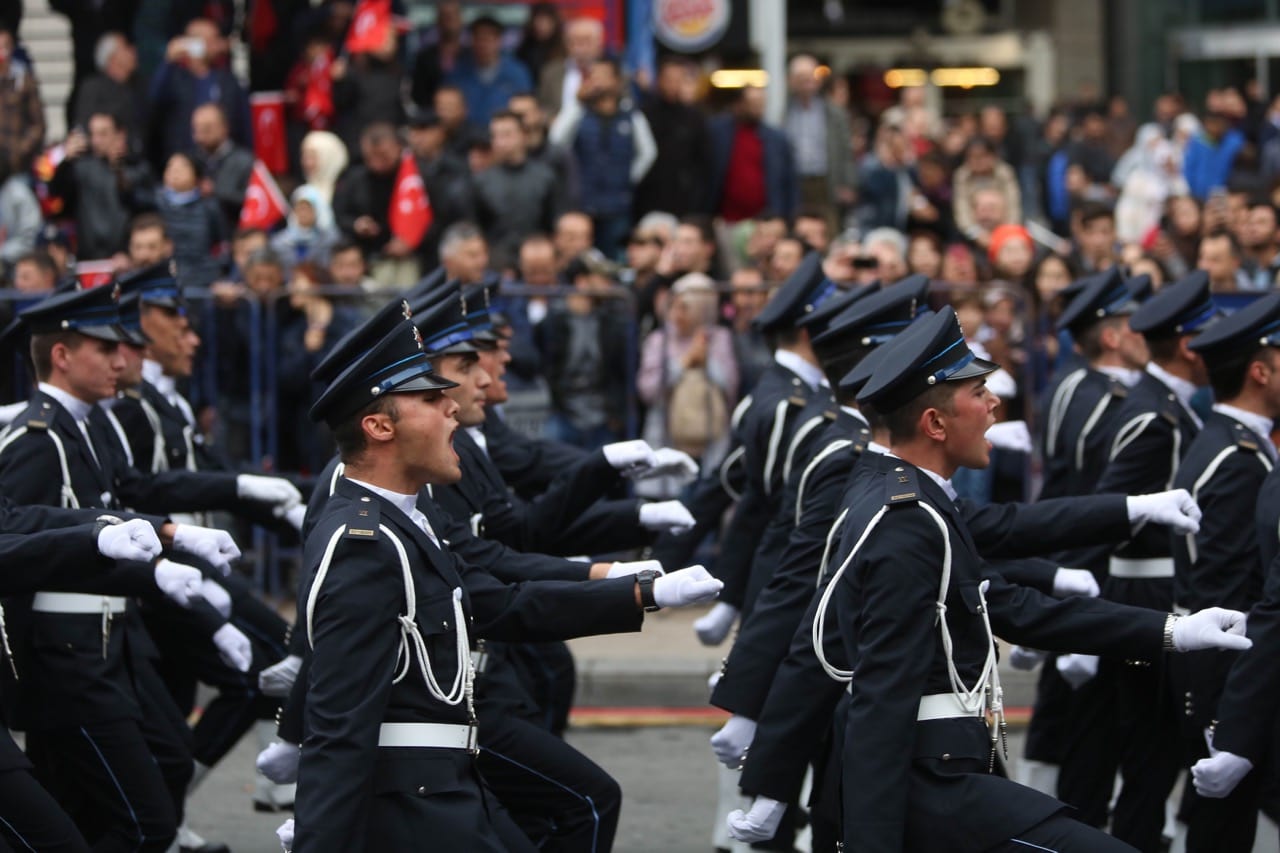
[269, 143]
[410, 214]
[264, 204]
[369, 26]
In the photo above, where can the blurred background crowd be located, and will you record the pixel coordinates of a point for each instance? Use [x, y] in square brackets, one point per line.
[637, 217]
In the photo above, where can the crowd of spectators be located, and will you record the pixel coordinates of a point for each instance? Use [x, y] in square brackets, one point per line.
[638, 223]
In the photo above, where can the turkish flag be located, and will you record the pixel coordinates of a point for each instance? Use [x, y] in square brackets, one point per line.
[95, 273]
[269, 144]
[370, 26]
[410, 214]
[317, 98]
[264, 205]
[263, 25]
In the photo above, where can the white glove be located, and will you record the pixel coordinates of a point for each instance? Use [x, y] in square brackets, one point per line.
[713, 679]
[178, 582]
[1174, 508]
[1218, 775]
[277, 680]
[276, 491]
[683, 587]
[285, 833]
[1025, 659]
[715, 626]
[279, 762]
[731, 743]
[668, 516]
[1077, 670]
[217, 597]
[1075, 582]
[234, 647]
[1211, 628]
[759, 824]
[215, 546]
[630, 457]
[295, 516]
[621, 570]
[672, 462]
[1010, 435]
[132, 540]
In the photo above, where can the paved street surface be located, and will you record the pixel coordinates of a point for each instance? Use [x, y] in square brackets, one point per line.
[666, 771]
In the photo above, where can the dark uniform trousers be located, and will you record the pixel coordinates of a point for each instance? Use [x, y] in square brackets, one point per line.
[1224, 470]
[352, 794]
[924, 785]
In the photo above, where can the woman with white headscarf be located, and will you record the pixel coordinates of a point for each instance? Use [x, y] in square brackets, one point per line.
[1147, 174]
[323, 159]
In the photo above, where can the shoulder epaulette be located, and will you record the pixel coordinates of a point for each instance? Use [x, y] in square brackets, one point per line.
[362, 522]
[1245, 439]
[831, 414]
[41, 420]
[1118, 389]
[900, 486]
[131, 393]
[1169, 407]
[861, 440]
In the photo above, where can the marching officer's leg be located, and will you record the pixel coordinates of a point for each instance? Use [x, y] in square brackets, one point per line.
[1150, 759]
[549, 676]
[1061, 834]
[31, 819]
[166, 732]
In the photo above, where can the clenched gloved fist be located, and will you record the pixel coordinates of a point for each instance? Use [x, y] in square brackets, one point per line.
[1211, 628]
[758, 824]
[277, 680]
[731, 743]
[1025, 659]
[1075, 582]
[234, 647]
[219, 599]
[673, 463]
[276, 491]
[131, 540]
[667, 516]
[279, 762]
[285, 833]
[622, 570]
[1174, 508]
[214, 546]
[683, 587]
[1218, 775]
[1010, 435]
[179, 583]
[295, 516]
[632, 458]
[716, 625]
[1077, 670]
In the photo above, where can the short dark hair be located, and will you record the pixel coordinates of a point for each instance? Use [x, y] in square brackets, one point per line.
[345, 244]
[349, 435]
[1227, 377]
[196, 168]
[377, 132]
[610, 61]
[42, 345]
[1093, 210]
[704, 225]
[904, 421]
[501, 115]
[39, 257]
[1223, 233]
[116, 122]
[147, 221]
[1090, 339]
[1163, 349]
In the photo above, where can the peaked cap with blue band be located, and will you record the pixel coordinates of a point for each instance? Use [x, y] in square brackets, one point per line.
[803, 291]
[856, 379]
[875, 320]
[394, 365]
[93, 312]
[928, 352]
[1183, 308]
[155, 285]
[131, 320]
[478, 299]
[1106, 294]
[444, 325]
[356, 342]
[1243, 333]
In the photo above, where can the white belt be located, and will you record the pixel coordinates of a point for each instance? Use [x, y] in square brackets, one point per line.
[76, 602]
[945, 706]
[1150, 567]
[428, 735]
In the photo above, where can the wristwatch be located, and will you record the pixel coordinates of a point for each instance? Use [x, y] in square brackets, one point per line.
[645, 579]
[102, 522]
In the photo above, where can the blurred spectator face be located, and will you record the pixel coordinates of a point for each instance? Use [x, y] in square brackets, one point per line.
[179, 174]
[923, 256]
[381, 152]
[643, 251]
[173, 341]
[123, 60]
[1259, 230]
[304, 213]
[6, 49]
[1237, 213]
[573, 236]
[264, 279]
[506, 139]
[584, 40]
[449, 19]
[479, 158]
[673, 78]
[592, 283]
[891, 266]
[467, 260]
[538, 264]
[532, 118]
[787, 255]
[1217, 259]
[208, 127]
[486, 45]
[347, 267]
[427, 142]
[106, 139]
[451, 107]
[1166, 109]
[813, 230]
[1000, 313]
[602, 81]
[931, 173]
[980, 160]
[30, 278]
[749, 296]
[970, 314]
[958, 265]
[1051, 279]
[992, 124]
[750, 105]
[245, 245]
[989, 208]
[1013, 261]
[802, 77]
[691, 310]
[215, 46]
[1094, 126]
[691, 253]
[1098, 238]
[765, 234]
[148, 246]
[1215, 125]
[1184, 215]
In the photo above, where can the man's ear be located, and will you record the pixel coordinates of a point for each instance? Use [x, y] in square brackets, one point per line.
[378, 426]
[931, 425]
